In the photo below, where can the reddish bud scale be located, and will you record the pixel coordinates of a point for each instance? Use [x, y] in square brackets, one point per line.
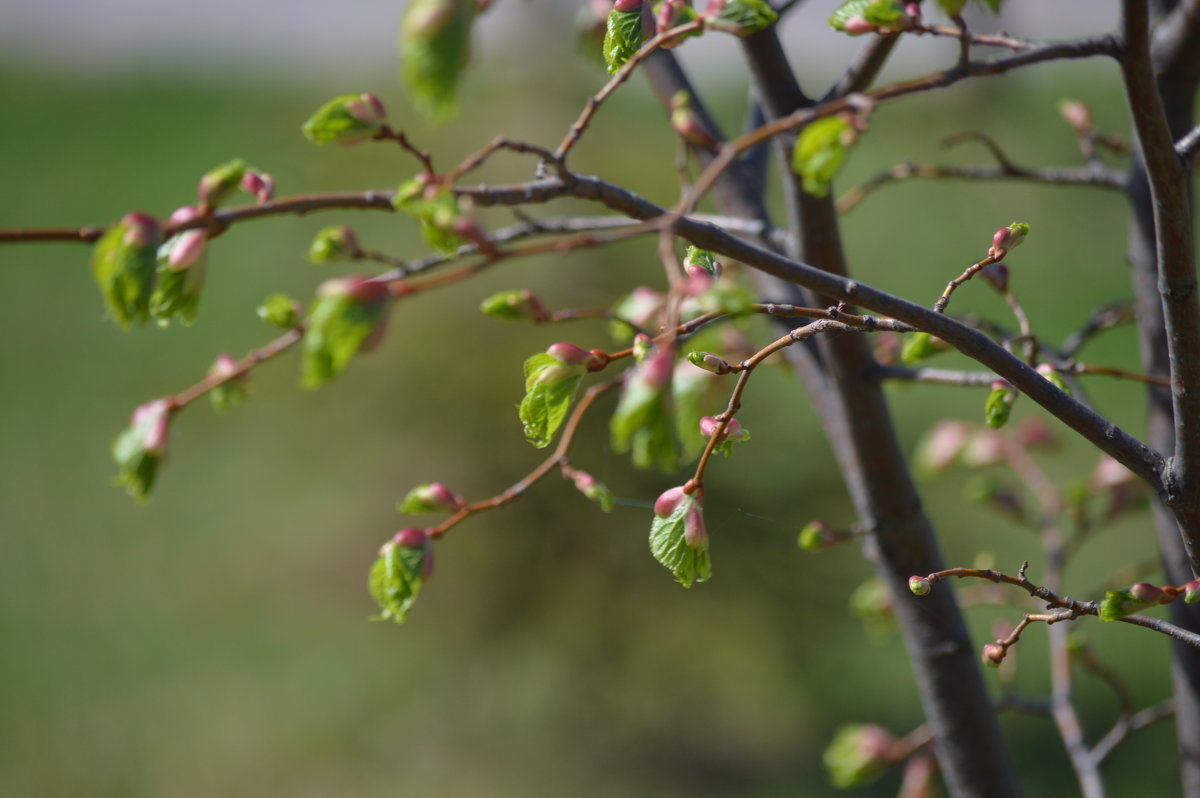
[569, 354]
[695, 532]
[360, 289]
[627, 5]
[669, 501]
[259, 184]
[992, 655]
[141, 229]
[1191, 591]
[1150, 594]
[411, 538]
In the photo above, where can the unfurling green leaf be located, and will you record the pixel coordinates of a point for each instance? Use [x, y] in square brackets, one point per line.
[182, 267]
[743, 17]
[998, 407]
[550, 386]
[622, 38]
[404, 563]
[430, 497]
[124, 266]
[348, 119]
[820, 151]
[1118, 604]
[139, 450]
[920, 346]
[280, 310]
[435, 46]
[858, 755]
[346, 318]
[642, 421]
[436, 207]
[865, 16]
[678, 537]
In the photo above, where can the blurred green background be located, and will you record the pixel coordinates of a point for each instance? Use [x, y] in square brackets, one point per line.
[217, 642]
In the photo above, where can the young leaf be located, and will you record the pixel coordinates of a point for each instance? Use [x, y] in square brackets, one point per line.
[678, 538]
[920, 346]
[623, 37]
[346, 120]
[864, 16]
[335, 243]
[182, 267]
[346, 315]
[233, 391]
[435, 46]
[998, 407]
[280, 310]
[220, 183]
[1118, 604]
[743, 17]
[436, 207]
[430, 497]
[139, 450]
[820, 151]
[642, 421]
[124, 266]
[857, 755]
[404, 563]
[593, 489]
[550, 386]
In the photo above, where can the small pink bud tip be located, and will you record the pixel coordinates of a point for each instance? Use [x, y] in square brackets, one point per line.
[185, 214]
[360, 289]
[1148, 593]
[411, 538]
[657, 368]
[668, 501]
[627, 5]
[157, 416]
[583, 480]
[1000, 242]
[913, 10]
[695, 533]
[710, 424]
[1045, 369]
[856, 26]
[992, 655]
[223, 366]
[260, 184]
[919, 585]
[1002, 385]
[442, 495]
[367, 109]
[1078, 115]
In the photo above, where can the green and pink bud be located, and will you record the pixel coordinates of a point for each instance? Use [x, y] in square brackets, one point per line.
[687, 125]
[627, 5]
[1078, 115]
[233, 386]
[337, 243]
[919, 585]
[668, 501]
[695, 532]
[942, 445]
[592, 488]
[154, 421]
[219, 184]
[733, 430]
[859, 754]
[186, 248]
[413, 538]
[571, 355]
[515, 306]
[1006, 239]
[1150, 594]
[360, 289]
[709, 362]
[998, 407]
[346, 120]
[1191, 591]
[1053, 377]
[818, 536]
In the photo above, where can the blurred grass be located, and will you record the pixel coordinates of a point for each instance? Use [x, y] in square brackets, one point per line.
[216, 641]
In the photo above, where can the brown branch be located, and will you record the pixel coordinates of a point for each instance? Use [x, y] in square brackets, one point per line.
[240, 369]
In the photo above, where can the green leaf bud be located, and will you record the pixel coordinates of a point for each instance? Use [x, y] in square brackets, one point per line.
[709, 362]
[1054, 378]
[515, 306]
[1007, 239]
[280, 310]
[858, 755]
[1118, 604]
[430, 497]
[335, 243]
[687, 125]
[219, 184]
[998, 407]
[550, 386]
[920, 346]
[671, 14]
[1150, 594]
[816, 536]
[182, 268]
[856, 17]
[1191, 591]
[346, 120]
[124, 265]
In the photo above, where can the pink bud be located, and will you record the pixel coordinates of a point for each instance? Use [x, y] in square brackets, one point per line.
[695, 533]
[919, 585]
[992, 655]
[437, 493]
[856, 26]
[1191, 591]
[156, 416]
[1109, 474]
[260, 184]
[583, 480]
[360, 289]
[367, 109]
[733, 431]
[1145, 592]
[185, 214]
[186, 250]
[627, 5]
[223, 366]
[943, 444]
[1078, 115]
[913, 10]
[1000, 243]
[411, 538]
[569, 354]
[656, 370]
[142, 230]
[668, 501]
